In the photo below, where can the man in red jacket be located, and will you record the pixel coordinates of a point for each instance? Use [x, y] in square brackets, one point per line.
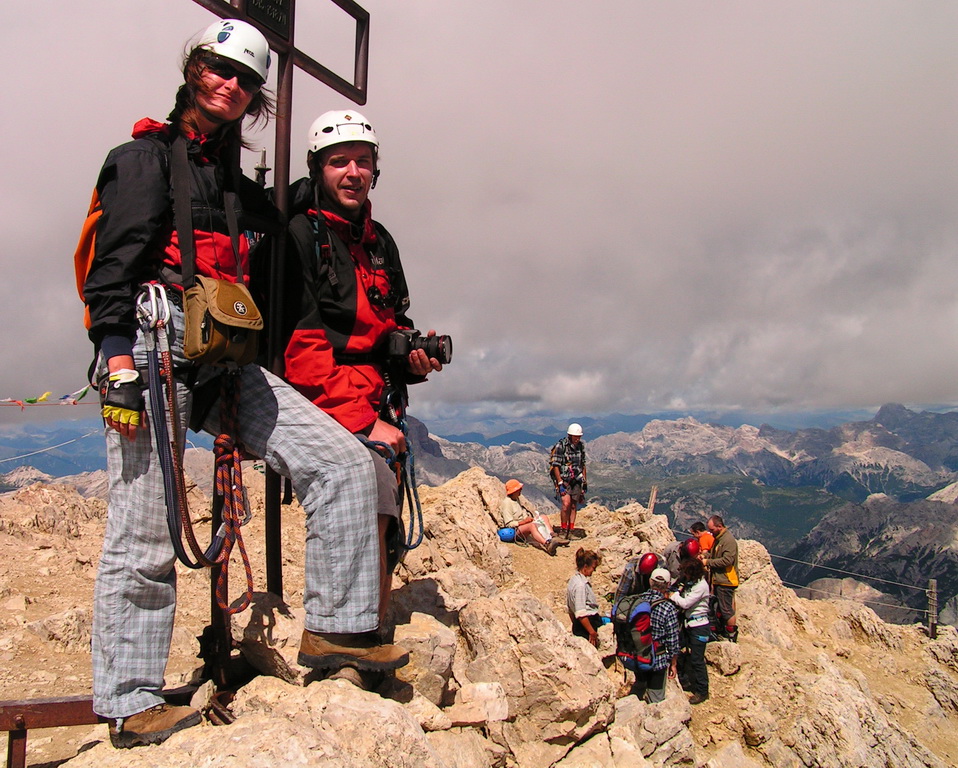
[349, 295]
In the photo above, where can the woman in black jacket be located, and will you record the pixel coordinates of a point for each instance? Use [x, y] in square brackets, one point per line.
[137, 243]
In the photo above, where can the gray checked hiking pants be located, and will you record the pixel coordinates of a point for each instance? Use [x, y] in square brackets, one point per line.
[135, 593]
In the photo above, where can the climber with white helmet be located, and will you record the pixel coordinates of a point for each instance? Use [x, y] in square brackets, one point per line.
[350, 346]
[146, 252]
[568, 474]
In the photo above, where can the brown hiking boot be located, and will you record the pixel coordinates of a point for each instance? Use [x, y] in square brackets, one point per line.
[560, 542]
[537, 545]
[362, 650]
[551, 546]
[153, 725]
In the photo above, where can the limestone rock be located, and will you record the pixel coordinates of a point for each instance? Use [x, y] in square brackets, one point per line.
[603, 751]
[460, 528]
[268, 634]
[432, 647]
[659, 731]
[427, 714]
[822, 714]
[943, 687]
[478, 704]
[71, 630]
[595, 752]
[867, 627]
[329, 725]
[732, 756]
[724, 656]
[466, 748]
[441, 594]
[556, 685]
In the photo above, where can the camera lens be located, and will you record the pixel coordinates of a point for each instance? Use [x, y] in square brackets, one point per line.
[439, 347]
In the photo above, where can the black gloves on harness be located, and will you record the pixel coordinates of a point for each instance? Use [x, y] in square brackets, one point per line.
[121, 396]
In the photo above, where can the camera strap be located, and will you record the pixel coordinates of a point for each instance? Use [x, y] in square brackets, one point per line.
[376, 357]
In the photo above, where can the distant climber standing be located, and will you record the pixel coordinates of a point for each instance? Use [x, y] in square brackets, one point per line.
[567, 468]
[722, 561]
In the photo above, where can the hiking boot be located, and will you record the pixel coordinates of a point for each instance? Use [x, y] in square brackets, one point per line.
[537, 545]
[732, 636]
[153, 726]
[560, 542]
[698, 698]
[551, 546]
[363, 651]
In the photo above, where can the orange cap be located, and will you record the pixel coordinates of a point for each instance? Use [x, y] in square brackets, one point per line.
[512, 486]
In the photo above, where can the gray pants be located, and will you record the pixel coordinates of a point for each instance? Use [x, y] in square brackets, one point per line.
[135, 593]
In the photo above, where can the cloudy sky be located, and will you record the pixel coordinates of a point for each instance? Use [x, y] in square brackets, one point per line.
[615, 205]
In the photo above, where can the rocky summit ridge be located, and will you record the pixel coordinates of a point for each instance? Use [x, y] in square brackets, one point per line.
[496, 678]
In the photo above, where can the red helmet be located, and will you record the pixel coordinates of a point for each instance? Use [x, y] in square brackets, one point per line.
[689, 549]
[648, 563]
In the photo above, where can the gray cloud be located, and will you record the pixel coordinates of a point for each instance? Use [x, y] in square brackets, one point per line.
[610, 206]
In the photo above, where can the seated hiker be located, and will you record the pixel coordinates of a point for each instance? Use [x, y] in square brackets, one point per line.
[515, 512]
[581, 601]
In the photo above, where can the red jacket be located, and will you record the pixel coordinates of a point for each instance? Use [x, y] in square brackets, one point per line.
[335, 353]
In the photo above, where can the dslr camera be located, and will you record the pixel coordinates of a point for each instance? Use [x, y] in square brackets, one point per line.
[400, 343]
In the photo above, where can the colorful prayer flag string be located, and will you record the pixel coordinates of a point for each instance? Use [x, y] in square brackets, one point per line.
[73, 398]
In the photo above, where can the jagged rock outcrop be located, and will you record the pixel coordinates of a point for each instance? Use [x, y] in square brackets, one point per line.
[498, 680]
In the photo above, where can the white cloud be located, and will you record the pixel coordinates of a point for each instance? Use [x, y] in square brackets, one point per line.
[631, 206]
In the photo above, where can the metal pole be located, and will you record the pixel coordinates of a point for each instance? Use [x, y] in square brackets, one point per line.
[218, 638]
[274, 483]
[933, 608]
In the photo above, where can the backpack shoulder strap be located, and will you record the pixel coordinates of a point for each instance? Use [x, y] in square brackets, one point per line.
[183, 210]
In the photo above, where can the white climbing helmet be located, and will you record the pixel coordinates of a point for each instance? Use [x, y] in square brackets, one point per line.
[338, 127]
[575, 430]
[238, 41]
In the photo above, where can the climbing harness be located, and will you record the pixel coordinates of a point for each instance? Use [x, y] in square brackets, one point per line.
[229, 501]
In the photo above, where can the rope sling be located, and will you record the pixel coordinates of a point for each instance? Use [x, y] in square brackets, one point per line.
[229, 500]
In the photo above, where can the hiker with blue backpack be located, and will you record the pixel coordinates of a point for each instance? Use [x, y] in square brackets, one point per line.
[647, 636]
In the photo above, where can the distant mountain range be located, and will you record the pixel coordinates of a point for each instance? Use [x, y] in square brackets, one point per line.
[899, 545]
[807, 494]
[546, 428]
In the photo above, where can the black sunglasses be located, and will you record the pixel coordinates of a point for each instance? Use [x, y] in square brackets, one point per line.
[223, 69]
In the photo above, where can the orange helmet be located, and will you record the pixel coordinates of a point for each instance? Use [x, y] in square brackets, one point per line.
[512, 486]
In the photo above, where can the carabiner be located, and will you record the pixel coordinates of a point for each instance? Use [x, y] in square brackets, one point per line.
[153, 305]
